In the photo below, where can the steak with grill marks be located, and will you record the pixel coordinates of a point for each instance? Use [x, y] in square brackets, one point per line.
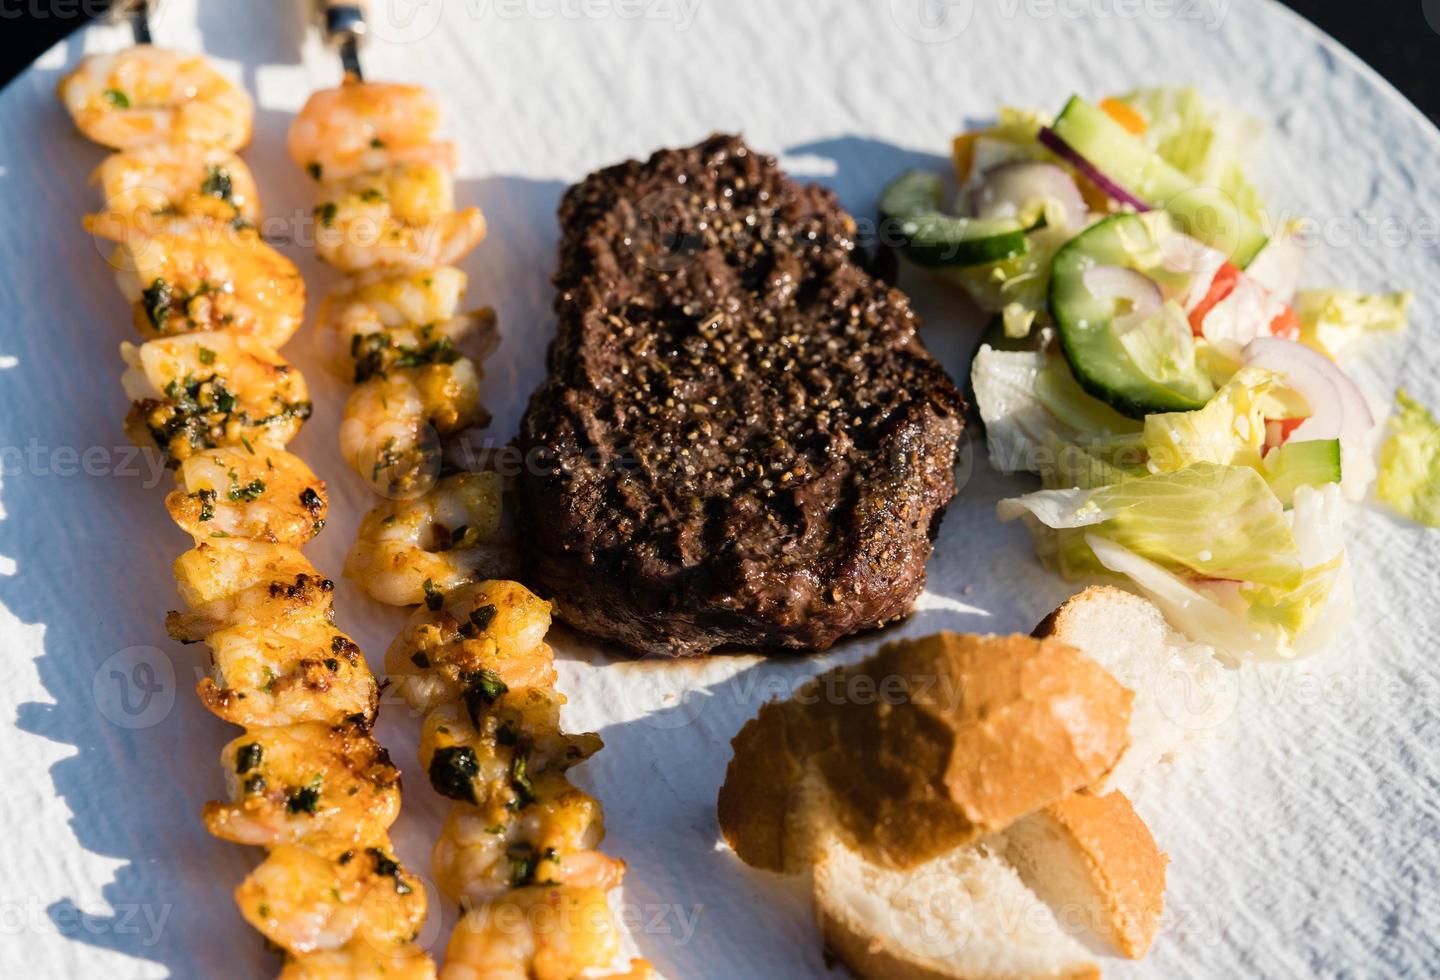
[742, 441]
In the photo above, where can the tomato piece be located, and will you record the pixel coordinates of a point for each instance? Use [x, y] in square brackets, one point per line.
[1277, 431]
[1221, 286]
[1286, 325]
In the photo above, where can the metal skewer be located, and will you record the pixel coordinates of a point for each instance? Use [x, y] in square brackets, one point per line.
[137, 13]
[345, 28]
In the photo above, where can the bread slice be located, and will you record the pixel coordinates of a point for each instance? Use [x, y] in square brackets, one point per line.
[928, 745]
[1180, 688]
[966, 915]
[1093, 861]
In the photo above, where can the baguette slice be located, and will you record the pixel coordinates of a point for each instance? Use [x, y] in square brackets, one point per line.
[966, 915]
[1093, 860]
[926, 746]
[1180, 688]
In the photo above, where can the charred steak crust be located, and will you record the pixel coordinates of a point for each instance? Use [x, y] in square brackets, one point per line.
[742, 440]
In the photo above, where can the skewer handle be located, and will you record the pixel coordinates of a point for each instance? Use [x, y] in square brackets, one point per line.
[137, 13]
[343, 22]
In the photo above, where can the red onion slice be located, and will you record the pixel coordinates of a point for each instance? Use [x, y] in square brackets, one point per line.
[1008, 189]
[1065, 151]
[1338, 409]
[1115, 282]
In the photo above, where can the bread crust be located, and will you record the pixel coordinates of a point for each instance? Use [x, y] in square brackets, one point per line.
[1057, 623]
[759, 792]
[1125, 866]
[926, 746]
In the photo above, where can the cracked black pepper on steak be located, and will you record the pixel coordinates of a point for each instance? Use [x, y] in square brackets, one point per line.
[742, 441]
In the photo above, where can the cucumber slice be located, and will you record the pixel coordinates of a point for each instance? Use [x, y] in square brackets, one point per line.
[1204, 213]
[1302, 464]
[929, 237]
[1086, 324]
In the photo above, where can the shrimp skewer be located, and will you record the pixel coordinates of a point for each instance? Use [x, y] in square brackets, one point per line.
[396, 330]
[519, 849]
[307, 780]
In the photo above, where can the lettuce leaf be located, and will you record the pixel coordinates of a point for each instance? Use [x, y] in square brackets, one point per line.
[1090, 463]
[1017, 287]
[1317, 523]
[1162, 347]
[1031, 405]
[1203, 521]
[1410, 462]
[1230, 429]
[1209, 141]
[1332, 319]
[1256, 622]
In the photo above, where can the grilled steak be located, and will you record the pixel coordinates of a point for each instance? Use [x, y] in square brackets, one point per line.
[742, 441]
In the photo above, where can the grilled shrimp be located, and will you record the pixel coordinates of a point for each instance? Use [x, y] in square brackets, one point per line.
[307, 782]
[188, 179]
[485, 751]
[412, 551]
[303, 900]
[184, 274]
[479, 855]
[261, 495]
[401, 216]
[234, 582]
[393, 422]
[534, 933]
[360, 961]
[365, 126]
[145, 95]
[389, 318]
[207, 390]
[286, 673]
[495, 626]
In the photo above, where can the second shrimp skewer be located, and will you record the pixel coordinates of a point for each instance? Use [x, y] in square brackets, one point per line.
[519, 849]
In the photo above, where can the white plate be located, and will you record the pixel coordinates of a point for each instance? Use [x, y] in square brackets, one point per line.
[1303, 836]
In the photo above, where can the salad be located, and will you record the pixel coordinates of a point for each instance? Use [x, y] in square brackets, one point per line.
[1152, 358]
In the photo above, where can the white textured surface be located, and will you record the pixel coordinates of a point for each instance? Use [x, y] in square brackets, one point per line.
[1304, 835]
